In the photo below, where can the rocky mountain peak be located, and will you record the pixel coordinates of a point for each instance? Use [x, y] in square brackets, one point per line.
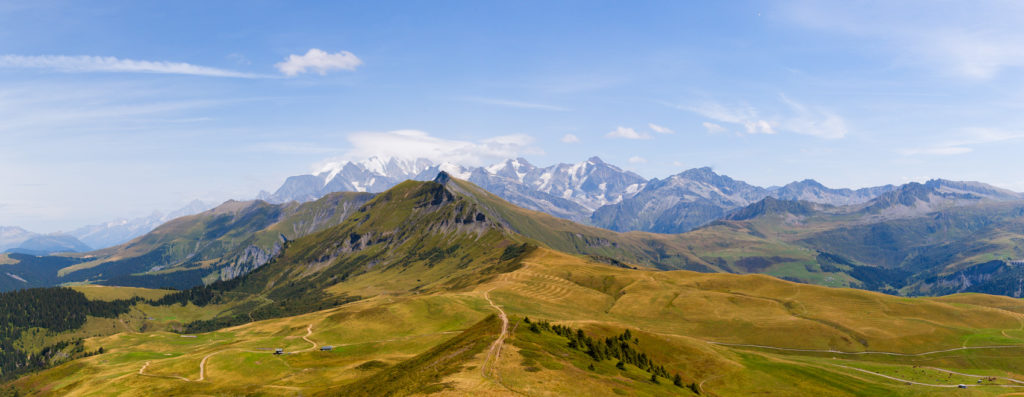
[808, 183]
[773, 206]
[703, 174]
[442, 178]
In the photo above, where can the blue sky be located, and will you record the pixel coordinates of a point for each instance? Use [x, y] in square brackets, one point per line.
[114, 109]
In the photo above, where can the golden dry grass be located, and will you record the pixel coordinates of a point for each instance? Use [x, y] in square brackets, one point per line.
[674, 314]
[107, 293]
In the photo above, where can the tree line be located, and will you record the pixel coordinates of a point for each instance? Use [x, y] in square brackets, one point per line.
[57, 309]
[623, 347]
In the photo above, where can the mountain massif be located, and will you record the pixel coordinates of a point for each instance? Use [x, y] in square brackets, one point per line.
[14, 239]
[86, 238]
[222, 243]
[591, 192]
[915, 239]
[571, 191]
[109, 234]
[440, 287]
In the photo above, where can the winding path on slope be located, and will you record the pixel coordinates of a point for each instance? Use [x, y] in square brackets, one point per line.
[1019, 383]
[897, 379]
[202, 363]
[202, 366]
[202, 369]
[931, 384]
[495, 350]
[309, 331]
[866, 352]
[980, 376]
[1021, 328]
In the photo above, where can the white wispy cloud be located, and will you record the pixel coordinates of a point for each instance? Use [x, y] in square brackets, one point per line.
[414, 144]
[966, 142]
[637, 160]
[318, 61]
[742, 115]
[627, 133]
[815, 121]
[659, 129]
[984, 40]
[38, 109]
[570, 138]
[792, 117]
[713, 128]
[759, 127]
[516, 104]
[85, 63]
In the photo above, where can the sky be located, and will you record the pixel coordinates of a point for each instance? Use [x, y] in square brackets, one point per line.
[114, 109]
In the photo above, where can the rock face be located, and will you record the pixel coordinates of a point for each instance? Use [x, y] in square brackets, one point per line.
[772, 206]
[993, 277]
[935, 194]
[251, 258]
[812, 191]
[679, 203]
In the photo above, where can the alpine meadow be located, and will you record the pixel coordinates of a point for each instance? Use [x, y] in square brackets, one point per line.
[526, 199]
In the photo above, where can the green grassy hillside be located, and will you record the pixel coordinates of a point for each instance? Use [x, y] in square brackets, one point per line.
[222, 243]
[927, 253]
[638, 248]
[426, 289]
[724, 334]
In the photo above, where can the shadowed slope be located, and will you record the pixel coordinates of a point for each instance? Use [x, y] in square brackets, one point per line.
[221, 243]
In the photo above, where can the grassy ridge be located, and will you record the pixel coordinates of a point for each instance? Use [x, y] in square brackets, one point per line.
[422, 373]
[925, 250]
[392, 343]
[387, 330]
[424, 257]
[186, 250]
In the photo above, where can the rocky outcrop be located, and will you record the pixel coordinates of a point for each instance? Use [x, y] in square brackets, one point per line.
[251, 258]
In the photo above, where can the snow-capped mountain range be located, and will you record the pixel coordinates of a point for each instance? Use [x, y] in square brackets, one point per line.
[90, 237]
[571, 191]
[591, 191]
[373, 175]
[109, 234]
